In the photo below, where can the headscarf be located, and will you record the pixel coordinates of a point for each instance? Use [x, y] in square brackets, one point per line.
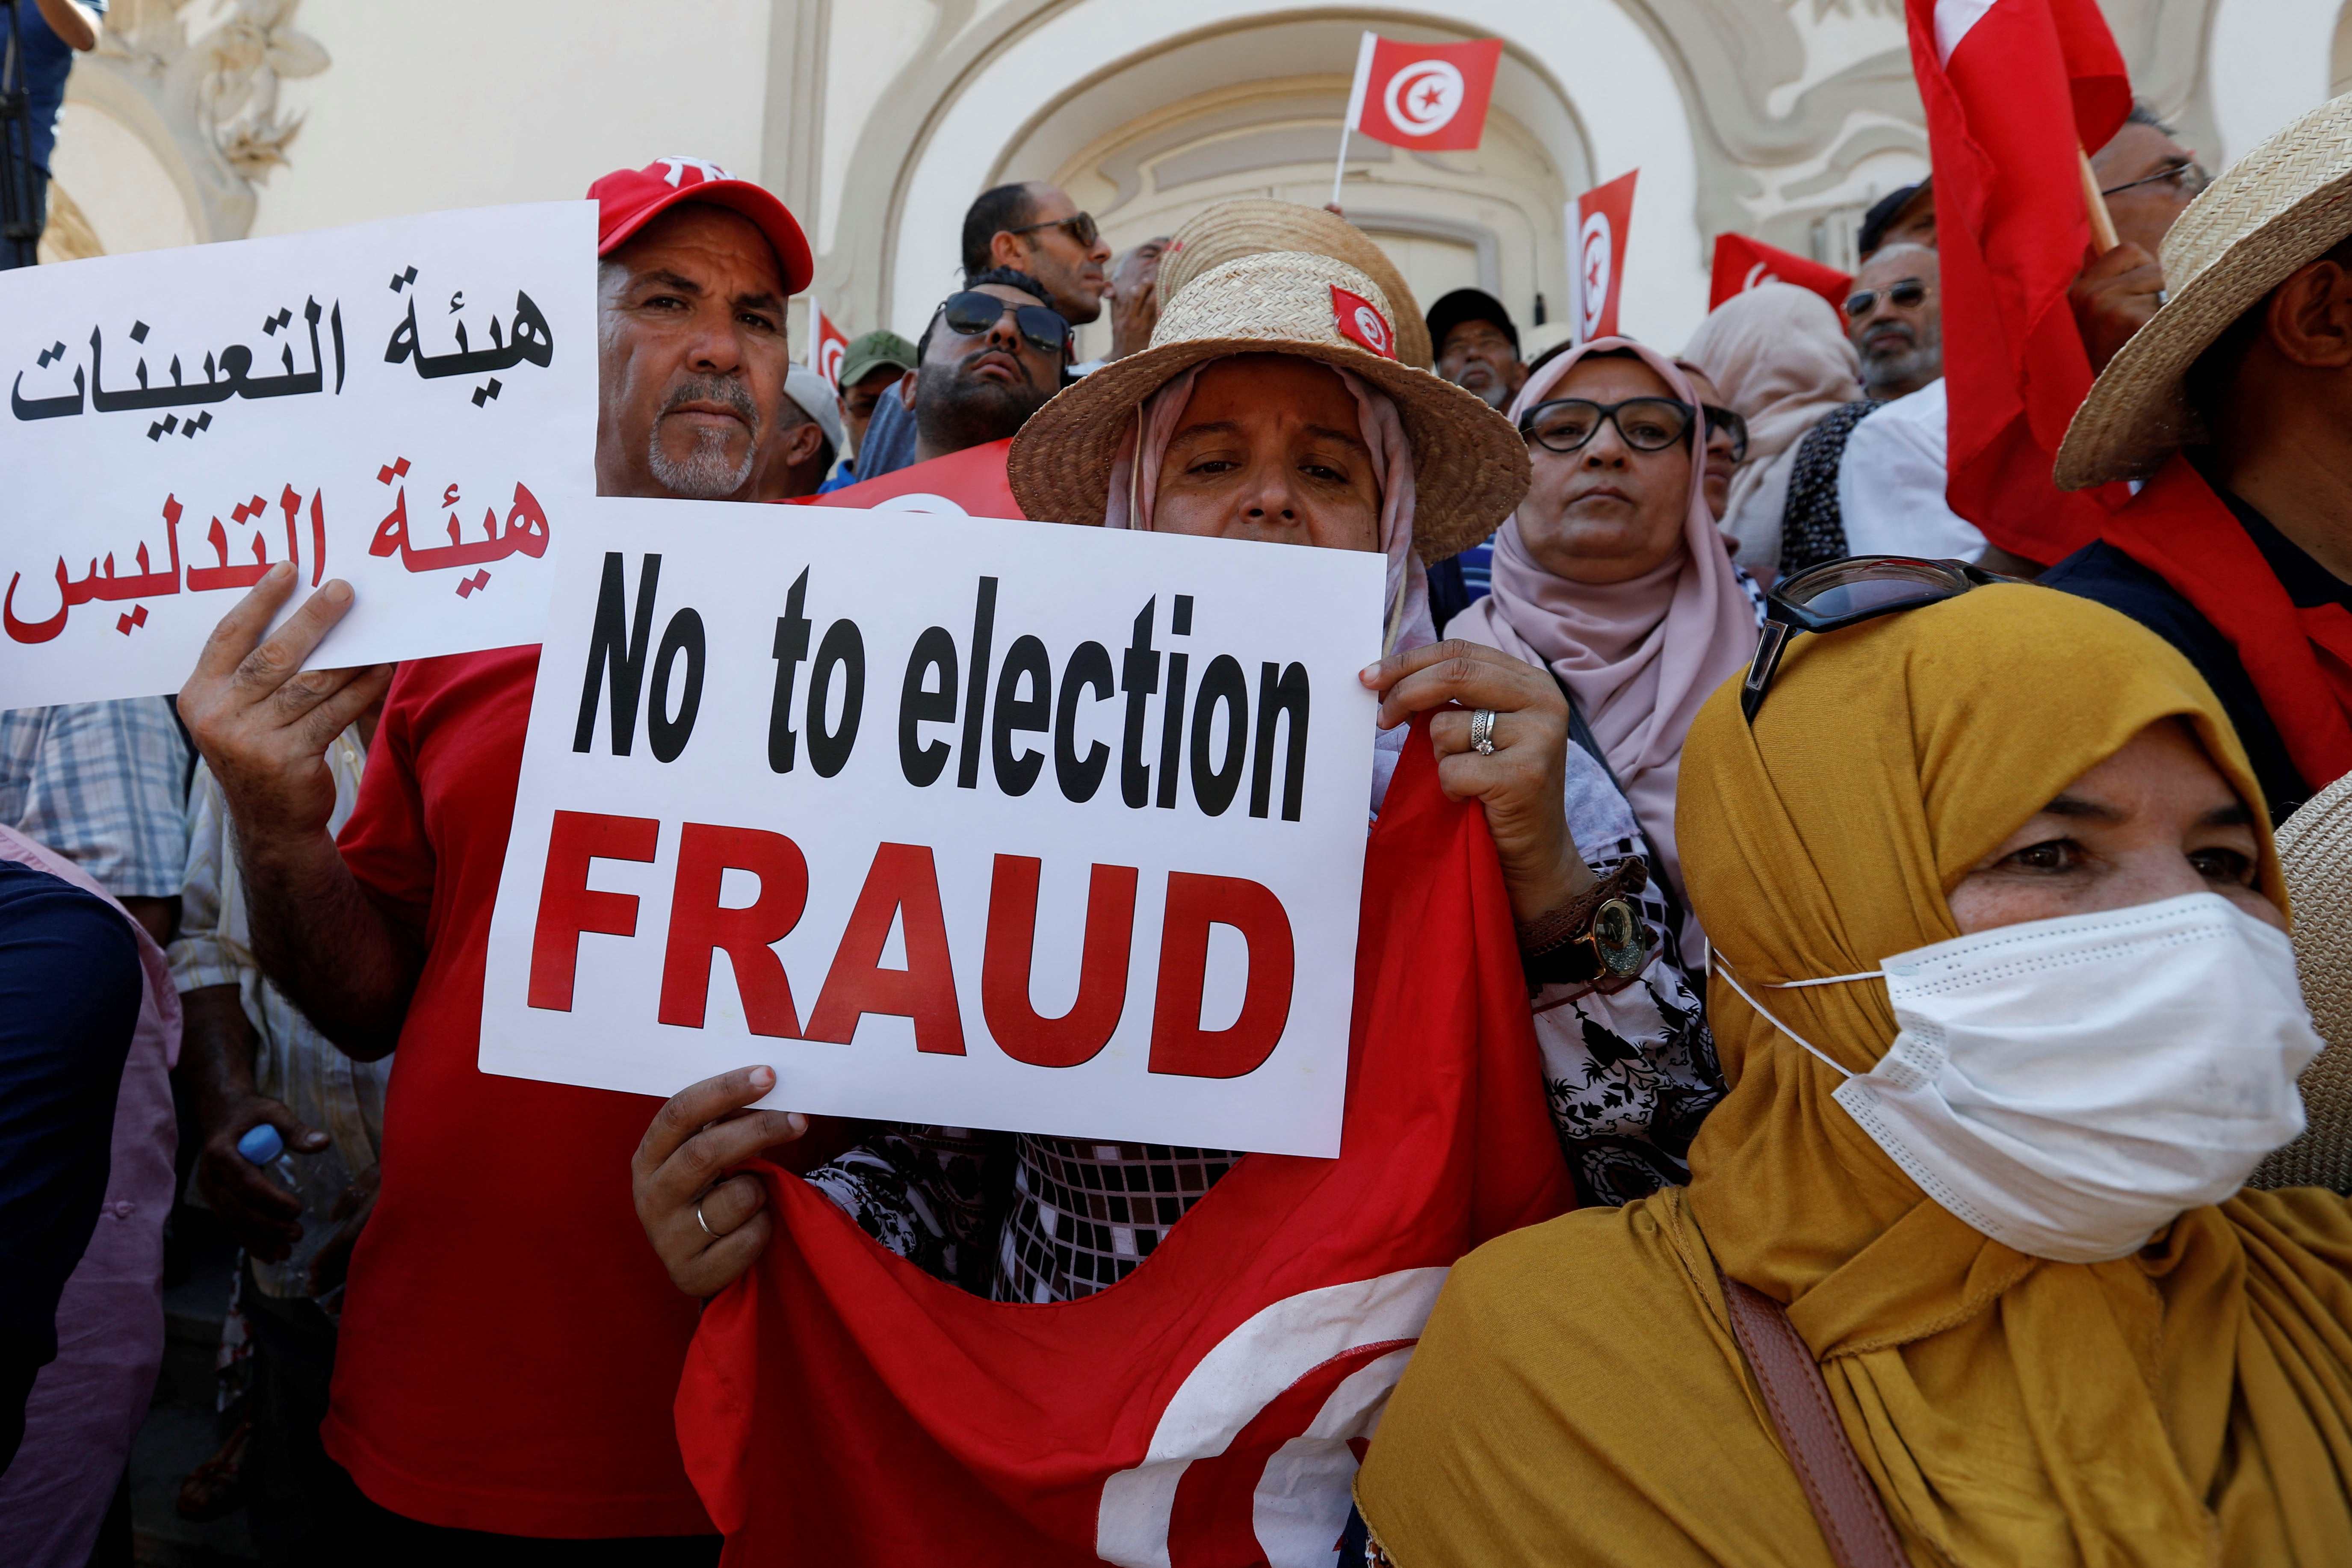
[1640, 656]
[1783, 360]
[2008, 1409]
[1578, 1393]
[1134, 495]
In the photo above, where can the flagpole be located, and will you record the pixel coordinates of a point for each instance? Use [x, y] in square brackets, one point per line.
[2094, 204]
[1355, 108]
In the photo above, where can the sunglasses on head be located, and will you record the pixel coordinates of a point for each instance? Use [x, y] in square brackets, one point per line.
[1080, 227]
[1725, 422]
[1905, 296]
[1645, 424]
[1838, 593]
[971, 312]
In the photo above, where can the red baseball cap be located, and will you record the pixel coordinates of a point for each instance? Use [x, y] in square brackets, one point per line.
[628, 199]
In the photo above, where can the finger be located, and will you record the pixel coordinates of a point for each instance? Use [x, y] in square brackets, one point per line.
[1397, 666]
[235, 1182]
[1504, 688]
[727, 1207]
[701, 1159]
[281, 654]
[297, 1133]
[724, 1261]
[238, 630]
[361, 688]
[691, 1108]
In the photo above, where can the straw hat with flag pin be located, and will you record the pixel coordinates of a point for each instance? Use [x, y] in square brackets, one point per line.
[1254, 226]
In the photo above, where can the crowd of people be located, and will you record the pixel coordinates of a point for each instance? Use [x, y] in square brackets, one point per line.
[1900, 922]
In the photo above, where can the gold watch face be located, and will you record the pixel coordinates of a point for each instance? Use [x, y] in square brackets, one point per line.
[1618, 937]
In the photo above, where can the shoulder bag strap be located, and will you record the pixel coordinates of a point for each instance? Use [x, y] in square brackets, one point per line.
[1580, 730]
[1853, 1520]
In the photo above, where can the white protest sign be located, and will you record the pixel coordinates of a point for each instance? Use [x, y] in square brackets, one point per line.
[409, 406]
[1001, 825]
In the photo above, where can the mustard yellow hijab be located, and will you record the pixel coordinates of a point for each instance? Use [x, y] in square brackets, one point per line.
[1578, 1396]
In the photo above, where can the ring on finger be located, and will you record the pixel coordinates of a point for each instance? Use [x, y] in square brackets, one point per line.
[1482, 732]
[713, 1235]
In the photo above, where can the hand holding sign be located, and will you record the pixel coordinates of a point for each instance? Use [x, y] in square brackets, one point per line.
[709, 1226]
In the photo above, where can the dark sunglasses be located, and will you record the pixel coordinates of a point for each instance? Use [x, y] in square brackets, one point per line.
[2188, 178]
[1645, 424]
[1080, 227]
[1845, 592]
[1729, 423]
[1906, 296]
[972, 313]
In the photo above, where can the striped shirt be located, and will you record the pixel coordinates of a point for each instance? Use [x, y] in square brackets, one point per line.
[103, 784]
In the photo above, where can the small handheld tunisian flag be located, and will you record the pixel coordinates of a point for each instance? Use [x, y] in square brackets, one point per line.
[1741, 263]
[969, 483]
[840, 1405]
[1598, 224]
[2014, 91]
[1429, 97]
[829, 345]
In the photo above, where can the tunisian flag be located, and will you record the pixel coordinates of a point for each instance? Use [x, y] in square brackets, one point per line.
[2015, 89]
[1741, 263]
[1600, 223]
[1429, 97]
[839, 1405]
[829, 347]
[969, 483]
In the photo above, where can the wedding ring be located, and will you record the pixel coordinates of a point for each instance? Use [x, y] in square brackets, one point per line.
[1482, 732]
[705, 1224]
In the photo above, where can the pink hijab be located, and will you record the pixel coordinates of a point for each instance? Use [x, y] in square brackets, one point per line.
[1135, 487]
[1641, 656]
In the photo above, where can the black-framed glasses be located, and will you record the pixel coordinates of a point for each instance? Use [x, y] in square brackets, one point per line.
[1845, 592]
[1645, 424]
[1908, 295]
[2188, 178]
[972, 313]
[1728, 423]
[1079, 227]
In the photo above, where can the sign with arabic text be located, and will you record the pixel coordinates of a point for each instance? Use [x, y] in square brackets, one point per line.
[990, 823]
[409, 406]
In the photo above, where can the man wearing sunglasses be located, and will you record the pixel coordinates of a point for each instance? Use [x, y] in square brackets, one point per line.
[1895, 317]
[1039, 230]
[991, 356]
[2149, 179]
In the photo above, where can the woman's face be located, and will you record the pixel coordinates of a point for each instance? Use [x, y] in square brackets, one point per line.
[1607, 512]
[2155, 821]
[1720, 464]
[1270, 448]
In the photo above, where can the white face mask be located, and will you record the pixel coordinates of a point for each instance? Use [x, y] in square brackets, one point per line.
[2068, 1086]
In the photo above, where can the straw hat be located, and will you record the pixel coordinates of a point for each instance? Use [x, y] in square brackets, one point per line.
[2315, 849]
[1254, 226]
[1470, 466]
[2284, 204]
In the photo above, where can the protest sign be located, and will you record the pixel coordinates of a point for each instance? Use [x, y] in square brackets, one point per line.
[409, 406]
[993, 824]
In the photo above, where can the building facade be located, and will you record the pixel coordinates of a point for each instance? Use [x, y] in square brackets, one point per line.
[878, 121]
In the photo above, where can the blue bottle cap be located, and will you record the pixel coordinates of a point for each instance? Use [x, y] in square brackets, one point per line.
[262, 1144]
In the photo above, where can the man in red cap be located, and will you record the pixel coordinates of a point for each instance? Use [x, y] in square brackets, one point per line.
[509, 1348]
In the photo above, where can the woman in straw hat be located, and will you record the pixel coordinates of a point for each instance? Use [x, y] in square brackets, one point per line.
[1963, 1273]
[1611, 574]
[2234, 403]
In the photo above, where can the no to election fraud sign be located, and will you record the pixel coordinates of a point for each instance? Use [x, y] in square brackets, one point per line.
[410, 405]
[990, 824]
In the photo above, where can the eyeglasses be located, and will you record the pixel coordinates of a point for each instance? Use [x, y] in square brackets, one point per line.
[1906, 295]
[1845, 592]
[1645, 424]
[1080, 227]
[2187, 178]
[972, 313]
[1725, 422]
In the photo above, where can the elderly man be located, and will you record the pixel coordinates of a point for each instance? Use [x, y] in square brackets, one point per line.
[2234, 403]
[509, 1356]
[2147, 179]
[1895, 317]
[1477, 346]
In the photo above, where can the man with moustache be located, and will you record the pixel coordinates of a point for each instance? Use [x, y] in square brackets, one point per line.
[1477, 346]
[508, 1354]
[977, 379]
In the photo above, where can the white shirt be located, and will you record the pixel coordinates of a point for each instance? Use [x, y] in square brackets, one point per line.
[1891, 483]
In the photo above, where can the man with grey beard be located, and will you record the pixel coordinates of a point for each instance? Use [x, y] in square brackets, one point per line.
[1896, 317]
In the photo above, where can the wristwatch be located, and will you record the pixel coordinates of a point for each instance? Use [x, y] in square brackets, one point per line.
[1598, 940]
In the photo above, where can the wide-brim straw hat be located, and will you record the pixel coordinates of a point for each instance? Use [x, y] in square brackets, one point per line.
[2315, 847]
[2281, 206]
[1470, 466]
[1257, 225]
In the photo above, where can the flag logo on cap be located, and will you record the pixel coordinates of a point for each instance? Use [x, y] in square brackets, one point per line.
[1360, 323]
[704, 169]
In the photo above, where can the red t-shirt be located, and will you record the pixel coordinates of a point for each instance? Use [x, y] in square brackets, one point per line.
[510, 1345]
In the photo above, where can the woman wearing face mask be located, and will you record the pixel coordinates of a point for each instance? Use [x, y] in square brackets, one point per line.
[1611, 574]
[1995, 874]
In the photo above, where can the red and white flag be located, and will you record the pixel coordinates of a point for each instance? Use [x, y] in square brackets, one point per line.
[1209, 1411]
[1429, 97]
[1741, 263]
[1598, 224]
[828, 345]
[2014, 91]
[969, 483]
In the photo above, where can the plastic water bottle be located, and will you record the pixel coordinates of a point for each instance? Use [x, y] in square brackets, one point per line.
[318, 1180]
